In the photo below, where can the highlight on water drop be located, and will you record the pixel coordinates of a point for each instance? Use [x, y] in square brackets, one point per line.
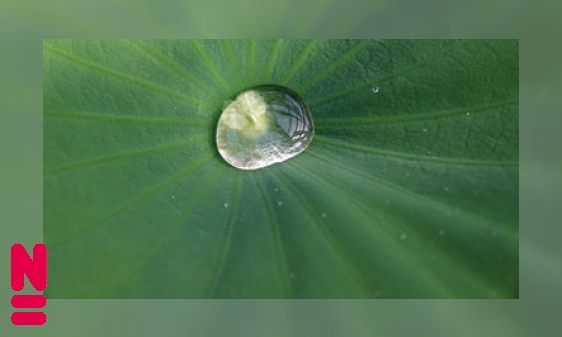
[264, 125]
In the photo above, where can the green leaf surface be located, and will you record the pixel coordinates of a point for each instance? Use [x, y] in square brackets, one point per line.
[409, 189]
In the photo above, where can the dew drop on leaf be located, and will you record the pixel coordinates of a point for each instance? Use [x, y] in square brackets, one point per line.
[264, 125]
[375, 89]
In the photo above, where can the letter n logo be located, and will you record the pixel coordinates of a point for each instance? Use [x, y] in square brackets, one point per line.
[36, 271]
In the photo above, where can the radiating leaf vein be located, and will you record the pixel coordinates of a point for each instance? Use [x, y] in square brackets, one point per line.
[135, 201]
[93, 162]
[124, 77]
[411, 156]
[388, 77]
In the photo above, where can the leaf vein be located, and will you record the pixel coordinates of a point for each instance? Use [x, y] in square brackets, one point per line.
[413, 157]
[124, 77]
[122, 155]
[388, 77]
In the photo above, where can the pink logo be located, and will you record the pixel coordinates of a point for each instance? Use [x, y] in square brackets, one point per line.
[36, 271]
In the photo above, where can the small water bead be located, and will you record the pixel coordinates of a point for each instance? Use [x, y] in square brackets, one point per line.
[375, 89]
[264, 125]
[424, 129]
[225, 205]
[403, 236]
[323, 215]
[280, 203]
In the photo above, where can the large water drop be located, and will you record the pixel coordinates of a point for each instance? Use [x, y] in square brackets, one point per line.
[264, 125]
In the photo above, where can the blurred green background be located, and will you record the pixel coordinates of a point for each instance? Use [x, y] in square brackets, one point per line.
[23, 25]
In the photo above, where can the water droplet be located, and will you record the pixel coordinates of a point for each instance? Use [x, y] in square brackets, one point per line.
[441, 233]
[424, 129]
[264, 125]
[446, 188]
[375, 89]
[468, 113]
[225, 205]
[407, 174]
[175, 108]
[276, 189]
[173, 196]
[280, 203]
[323, 215]
[403, 236]
[428, 152]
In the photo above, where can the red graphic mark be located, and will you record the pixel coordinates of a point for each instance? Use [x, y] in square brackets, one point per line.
[35, 269]
[29, 318]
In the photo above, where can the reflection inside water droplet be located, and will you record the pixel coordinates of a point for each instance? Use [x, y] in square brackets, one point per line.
[375, 89]
[264, 125]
